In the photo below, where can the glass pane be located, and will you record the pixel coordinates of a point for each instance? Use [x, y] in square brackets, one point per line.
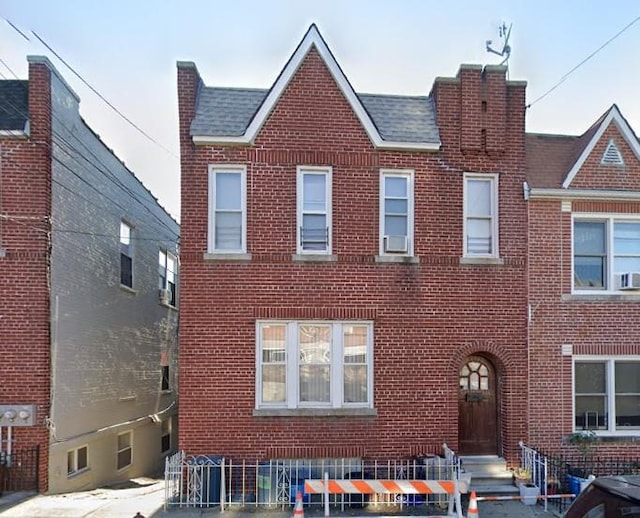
[355, 344]
[478, 198]
[479, 236]
[395, 225]
[274, 386]
[82, 458]
[71, 467]
[464, 371]
[315, 344]
[474, 381]
[396, 206]
[314, 192]
[125, 233]
[626, 238]
[314, 232]
[484, 383]
[589, 272]
[474, 366]
[228, 231]
[124, 458]
[590, 378]
[355, 384]
[628, 412]
[627, 377]
[483, 370]
[395, 187]
[589, 238]
[228, 191]
[591, 412]
[314, 383]
[124, 441]
[464, 383]
[626, 264]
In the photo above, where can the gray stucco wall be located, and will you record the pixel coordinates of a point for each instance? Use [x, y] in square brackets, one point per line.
[107, 340]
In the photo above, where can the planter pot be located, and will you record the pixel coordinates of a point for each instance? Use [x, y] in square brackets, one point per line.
[529, 494]
[576, 484]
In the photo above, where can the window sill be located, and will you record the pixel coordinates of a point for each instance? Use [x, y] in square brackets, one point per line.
[602, 297]
[220, 256]
[397, 259]
[128, 290]
[168, 306]
[488, 261]
[315, 412]
[314, 258]
[78, 473]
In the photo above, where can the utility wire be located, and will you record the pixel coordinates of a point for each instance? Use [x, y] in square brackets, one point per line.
[564, 77]
[140, 130]
[17, 30]
[8, 68]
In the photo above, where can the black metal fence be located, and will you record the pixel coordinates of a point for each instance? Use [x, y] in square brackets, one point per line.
[569, 473]
[19, 470]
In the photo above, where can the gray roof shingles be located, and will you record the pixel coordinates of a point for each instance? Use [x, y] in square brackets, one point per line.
[14, 104]
[227, 112]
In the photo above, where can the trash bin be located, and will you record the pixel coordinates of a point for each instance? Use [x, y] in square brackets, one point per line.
[211, 468]
[267, 484]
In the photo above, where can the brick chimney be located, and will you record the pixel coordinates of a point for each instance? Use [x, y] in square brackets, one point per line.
[479, 109]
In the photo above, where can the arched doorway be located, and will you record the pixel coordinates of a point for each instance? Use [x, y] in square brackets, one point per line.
[477, 407]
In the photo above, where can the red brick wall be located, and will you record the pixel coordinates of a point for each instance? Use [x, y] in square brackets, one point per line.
[24, 308]
[427, 317]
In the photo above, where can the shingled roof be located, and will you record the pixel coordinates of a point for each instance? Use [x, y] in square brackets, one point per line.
[14, 105]
[229, 111]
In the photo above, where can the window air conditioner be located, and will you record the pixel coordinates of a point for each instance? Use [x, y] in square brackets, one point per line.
[165, 296]
[630, 281]
[396, 244]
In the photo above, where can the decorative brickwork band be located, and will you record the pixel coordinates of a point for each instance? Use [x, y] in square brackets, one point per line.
[318, 312]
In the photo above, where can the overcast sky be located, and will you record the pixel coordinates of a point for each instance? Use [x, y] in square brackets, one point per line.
[127, 50]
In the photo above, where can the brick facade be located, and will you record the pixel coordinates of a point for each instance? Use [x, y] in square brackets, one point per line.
[428, 315]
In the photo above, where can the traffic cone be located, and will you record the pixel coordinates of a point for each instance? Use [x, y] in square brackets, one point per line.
[473, 506]
[298, 510]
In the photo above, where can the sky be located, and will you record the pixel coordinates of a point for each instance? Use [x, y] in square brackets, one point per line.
[127, 50]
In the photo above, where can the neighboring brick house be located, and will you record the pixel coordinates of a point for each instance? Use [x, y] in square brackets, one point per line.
[89, 350]
[584, 286]
[354, 266]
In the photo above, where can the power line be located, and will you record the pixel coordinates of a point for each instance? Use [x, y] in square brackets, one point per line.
[140, 130]
[564, 77]
[8, 68]
[17, 30]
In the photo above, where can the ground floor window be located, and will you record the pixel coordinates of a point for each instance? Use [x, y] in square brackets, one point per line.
[314, 364]
[607, 394]
[165, 436]
[124, 450]
[77, 460]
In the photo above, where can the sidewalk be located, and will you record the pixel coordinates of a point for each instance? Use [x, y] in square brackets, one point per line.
[146, 496]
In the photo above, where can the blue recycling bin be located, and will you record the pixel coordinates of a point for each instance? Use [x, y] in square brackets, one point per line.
[211, 476]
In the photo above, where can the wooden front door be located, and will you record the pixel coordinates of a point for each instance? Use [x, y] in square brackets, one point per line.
[477, 408]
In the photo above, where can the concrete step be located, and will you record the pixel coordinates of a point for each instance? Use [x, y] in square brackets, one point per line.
[489, 475]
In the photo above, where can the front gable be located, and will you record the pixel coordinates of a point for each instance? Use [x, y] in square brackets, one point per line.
[312, 49]
[610, 159]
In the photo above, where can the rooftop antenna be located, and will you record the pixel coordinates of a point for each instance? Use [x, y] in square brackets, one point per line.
[504, 33]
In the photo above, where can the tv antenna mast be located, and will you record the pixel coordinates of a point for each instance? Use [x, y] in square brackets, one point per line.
[504, 33]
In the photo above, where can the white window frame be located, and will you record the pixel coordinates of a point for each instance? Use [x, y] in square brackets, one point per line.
[126, 249]
[122, 450]
[163, 274]
[301, 171]
[494, 218]
[336, 367]
[409, 175]
[72, 456]
[610, 394]
[214, 169]
[611, 281]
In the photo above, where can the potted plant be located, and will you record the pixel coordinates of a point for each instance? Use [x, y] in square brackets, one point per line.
[521, 476]
[584, 442]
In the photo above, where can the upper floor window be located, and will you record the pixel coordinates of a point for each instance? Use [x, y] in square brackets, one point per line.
[227, 209]
[607, 394]
[314, 210]
[606, 254]
[396, 212]
[165, 436]
[126, 255]
[480, 215]
[314, 364]
[167, 276]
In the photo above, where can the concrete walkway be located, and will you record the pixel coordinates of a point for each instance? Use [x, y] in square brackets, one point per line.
[146, 496]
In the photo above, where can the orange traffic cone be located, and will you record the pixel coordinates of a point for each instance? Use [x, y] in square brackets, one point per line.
[473, 506]
[298, 510]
